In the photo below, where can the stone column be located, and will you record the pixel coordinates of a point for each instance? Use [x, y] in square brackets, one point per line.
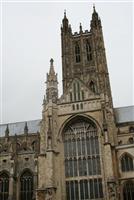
[11, 182]
[35, 178]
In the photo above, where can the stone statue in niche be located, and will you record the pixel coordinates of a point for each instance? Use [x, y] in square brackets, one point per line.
[48, 194]
[112, 191]
[5, 148]
[24, 146]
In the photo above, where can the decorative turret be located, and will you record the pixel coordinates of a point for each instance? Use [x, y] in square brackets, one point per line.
[95, 22]
[52, 84]
[66, 27]
[65, 23]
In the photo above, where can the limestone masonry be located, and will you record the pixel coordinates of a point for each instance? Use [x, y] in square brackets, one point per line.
[82, 148]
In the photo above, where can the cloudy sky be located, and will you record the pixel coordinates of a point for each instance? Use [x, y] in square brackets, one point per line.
[30, 36]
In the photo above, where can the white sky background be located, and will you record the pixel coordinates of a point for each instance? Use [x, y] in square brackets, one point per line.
[31, 36]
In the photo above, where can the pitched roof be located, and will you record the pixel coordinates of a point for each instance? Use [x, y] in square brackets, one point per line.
[122, 115]
[18, 127]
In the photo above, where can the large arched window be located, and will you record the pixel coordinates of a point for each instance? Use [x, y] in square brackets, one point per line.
[127, 163]
[82, 160]
[77, 53]
[4, 186]
[26, 186]
[128, 190]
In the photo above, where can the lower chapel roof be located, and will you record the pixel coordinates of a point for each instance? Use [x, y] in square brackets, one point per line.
[122, 115]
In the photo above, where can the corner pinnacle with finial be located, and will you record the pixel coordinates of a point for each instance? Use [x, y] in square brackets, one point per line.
[26, 128]
[94, 8]
[7, 131]
[80, 28]
[51, 71]
[65, 13]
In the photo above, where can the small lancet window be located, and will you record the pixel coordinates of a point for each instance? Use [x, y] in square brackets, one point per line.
[34, 145]
[92, 86]
[88, 51]
[77, 53]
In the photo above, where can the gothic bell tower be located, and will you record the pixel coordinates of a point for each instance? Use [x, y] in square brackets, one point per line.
[83, 56]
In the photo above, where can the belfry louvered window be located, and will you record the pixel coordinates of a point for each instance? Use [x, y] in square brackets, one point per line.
[82, 161]
[77, 53]
[26, 188]
[4, 186]
[128, 190]
[127, 163]
[88, 51]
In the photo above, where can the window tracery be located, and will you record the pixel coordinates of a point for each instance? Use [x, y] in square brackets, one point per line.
[127, 163]
[128, 190]
[82, 161]
[4, 186]
[76, 94]
[26, 186]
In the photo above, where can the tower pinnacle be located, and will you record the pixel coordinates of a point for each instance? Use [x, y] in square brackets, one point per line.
[51, 71]
[80, 28]
[95, 22]
[7, 131]
[65, 13]
[94, 8]
[52, 84]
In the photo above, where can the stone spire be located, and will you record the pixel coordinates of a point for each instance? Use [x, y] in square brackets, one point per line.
[80, 28]
[25, 128]
[52, 84]
[51, 76]
[7, 131]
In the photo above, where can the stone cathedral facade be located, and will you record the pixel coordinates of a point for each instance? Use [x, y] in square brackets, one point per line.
[82, 148]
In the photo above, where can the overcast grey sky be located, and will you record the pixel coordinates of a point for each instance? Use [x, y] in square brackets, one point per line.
[31, 36]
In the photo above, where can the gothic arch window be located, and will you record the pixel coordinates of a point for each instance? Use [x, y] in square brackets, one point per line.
[34, 145]
[131, 129]
[77, 53]
[127, 163]
[82, 160]
[26, 186]
[128, 190]
[92, 86]
[88, 51]
[4, 186]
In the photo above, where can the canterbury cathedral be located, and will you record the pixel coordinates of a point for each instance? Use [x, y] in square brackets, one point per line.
[83, 147]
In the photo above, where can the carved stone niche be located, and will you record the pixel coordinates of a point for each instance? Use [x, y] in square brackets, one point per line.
[112, 190]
